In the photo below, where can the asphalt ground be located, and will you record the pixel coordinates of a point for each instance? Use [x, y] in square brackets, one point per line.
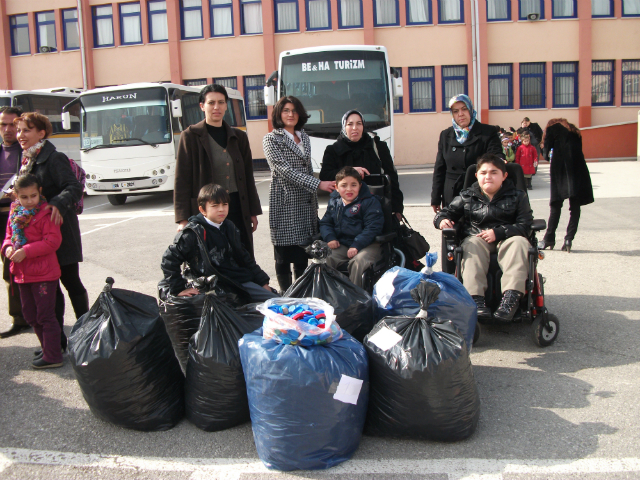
[567, 411]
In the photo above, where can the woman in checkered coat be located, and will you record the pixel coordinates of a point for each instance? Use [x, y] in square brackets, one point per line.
[293, 197]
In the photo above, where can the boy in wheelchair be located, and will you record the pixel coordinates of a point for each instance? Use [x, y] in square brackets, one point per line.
[351, 223]
[497, 219]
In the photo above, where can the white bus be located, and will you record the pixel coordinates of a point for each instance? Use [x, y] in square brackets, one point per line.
[329, 80]
[129, 135]
[49, 102]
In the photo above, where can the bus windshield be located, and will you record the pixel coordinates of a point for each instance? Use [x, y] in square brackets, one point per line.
[330, 83]
[125, 118]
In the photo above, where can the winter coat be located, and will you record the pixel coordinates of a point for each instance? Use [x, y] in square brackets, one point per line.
[526, 156]
[43, 239]
[569, 173]
[453, 159]
[356, 224]
[189, 247]
[535, 129]
[508, 213]
[293, 197]
[62, 189]
[194, 171]
[343, 153]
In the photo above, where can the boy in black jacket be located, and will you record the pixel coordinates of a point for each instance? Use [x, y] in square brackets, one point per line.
[210, 233]
[497, 218]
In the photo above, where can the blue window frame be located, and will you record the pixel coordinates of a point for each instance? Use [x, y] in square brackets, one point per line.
[564, 9]
[251, 14]
[530, 6]
[419, 12]
[103, 26]
[397, 101]
[349, 13]
[286, 15]
[191, 19]
[422, 89]
[454, 82]
[630, 8]
[197, 82]
[450, 11]
[19, 34]
[158, 28]
[498, 10]
[70, 29]
[602, 83]
[254, 97]
[318, 14]
[230, 82]
[500, 86]
[631, 82]
[533, 85]
[130, 26]
[46, 30]
[601, 8]
[221, 18]
[565, 84]
[385, 13]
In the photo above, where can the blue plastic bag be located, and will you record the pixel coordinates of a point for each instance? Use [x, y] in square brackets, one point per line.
[300, 400]
[392, 294]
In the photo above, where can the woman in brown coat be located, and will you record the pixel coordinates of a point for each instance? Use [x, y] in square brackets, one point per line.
[213, 152]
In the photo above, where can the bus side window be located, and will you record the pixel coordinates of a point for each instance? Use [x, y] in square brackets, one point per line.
[191, 112]
[22, 101]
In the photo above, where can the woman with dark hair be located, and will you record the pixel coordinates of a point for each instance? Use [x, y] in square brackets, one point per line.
[293, 197]
[569, 179]
[368, 155]
[211, 151]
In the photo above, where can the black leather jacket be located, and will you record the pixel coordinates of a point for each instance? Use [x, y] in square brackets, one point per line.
[508, 213]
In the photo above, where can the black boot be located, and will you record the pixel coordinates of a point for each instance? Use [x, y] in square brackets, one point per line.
[484, 313]
[80, 304]
[508, 306]
[14, 330]
[284, 280]
[566, 246]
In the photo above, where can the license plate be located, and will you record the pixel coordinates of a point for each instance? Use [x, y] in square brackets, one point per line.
[124, 185]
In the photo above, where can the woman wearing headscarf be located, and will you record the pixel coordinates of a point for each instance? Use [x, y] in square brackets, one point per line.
[458, 148]
[368, 155]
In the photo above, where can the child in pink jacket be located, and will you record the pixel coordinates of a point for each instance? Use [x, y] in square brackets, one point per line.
[30, 243]
[527, 158]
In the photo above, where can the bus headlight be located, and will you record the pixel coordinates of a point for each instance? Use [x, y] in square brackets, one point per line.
[161, 171]
[155, 172]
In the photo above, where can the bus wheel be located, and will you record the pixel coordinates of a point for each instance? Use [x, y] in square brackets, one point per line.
[117, 199]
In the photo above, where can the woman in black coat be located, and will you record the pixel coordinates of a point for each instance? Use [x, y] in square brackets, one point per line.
[458, 148]
[369, 156]
[569, 178]
[62, 190]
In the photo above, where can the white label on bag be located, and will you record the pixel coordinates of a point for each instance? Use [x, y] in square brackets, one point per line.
[348, 390]
[385, 339]
[385, 288]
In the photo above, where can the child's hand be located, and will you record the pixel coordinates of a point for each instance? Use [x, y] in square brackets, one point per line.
[18, 256]
[446, 223]
[189, 292]
[266, 287]
[8, 252]
[333, 244]
[488, 236]
[352, 252]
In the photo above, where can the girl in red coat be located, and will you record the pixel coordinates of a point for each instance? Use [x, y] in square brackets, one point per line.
[30, 243]
[526, 157]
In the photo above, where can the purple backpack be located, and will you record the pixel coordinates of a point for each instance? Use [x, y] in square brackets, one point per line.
[82, 178]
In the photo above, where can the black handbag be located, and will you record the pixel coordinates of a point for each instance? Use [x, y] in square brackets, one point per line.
[412, 243]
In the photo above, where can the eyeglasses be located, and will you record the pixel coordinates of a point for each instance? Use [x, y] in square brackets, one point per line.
[288, 111]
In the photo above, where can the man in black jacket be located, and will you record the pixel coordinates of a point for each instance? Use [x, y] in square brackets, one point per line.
[497, 218]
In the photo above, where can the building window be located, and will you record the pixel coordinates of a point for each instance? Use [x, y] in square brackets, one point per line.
[197, 82]
[450, 11]
[601, 8]
[498, 10]
[602, 83]
[397, 101]
[565, 84]
[286, 15]
[419, 12]
[254, 97]
[631, 8]
[385, 13]
[70, 29]
[227, 82]
[500, 86]
[631, 82]
[103, 26]
[46, 28]
[532, 85]
[158, 29]
[564, 9]
[191, 18]
[454, 82]
[251, 17]
[350, 13]
[318, 15]
[531, 6]
[221, 18]
[422, 89]
[130, 28]
[20, 35]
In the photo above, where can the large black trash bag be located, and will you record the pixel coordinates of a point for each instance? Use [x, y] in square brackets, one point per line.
[422, 386]
[124, 362]
[353, 306]
[215, 390]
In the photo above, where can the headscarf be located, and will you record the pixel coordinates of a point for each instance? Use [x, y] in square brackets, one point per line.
[463, 133]
[19, 219]
[29, 157]
[343, 132]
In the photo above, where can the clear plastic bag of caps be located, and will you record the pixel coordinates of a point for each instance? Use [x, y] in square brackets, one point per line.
[286, 330]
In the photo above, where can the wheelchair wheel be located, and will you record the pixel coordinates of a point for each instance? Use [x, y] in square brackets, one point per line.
[545, 329]
[476, 334]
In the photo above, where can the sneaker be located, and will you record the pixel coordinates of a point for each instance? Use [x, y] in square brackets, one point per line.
[508, 306]
[41, 363]
[484, 313]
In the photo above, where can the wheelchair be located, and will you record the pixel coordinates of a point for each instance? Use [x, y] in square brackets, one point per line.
[545, 326]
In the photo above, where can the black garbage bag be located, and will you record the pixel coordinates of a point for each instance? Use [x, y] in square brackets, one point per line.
[353, 306]
[124, 362]
[422, 383]
[215, 390]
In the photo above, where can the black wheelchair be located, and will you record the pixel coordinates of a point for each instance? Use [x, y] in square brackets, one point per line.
[545, 326]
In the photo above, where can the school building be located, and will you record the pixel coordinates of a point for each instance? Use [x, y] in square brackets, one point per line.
[578, 59]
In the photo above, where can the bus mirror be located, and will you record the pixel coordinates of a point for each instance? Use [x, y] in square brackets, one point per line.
[269, 95]
[176, 108]
[66, 120]
[397, 87]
